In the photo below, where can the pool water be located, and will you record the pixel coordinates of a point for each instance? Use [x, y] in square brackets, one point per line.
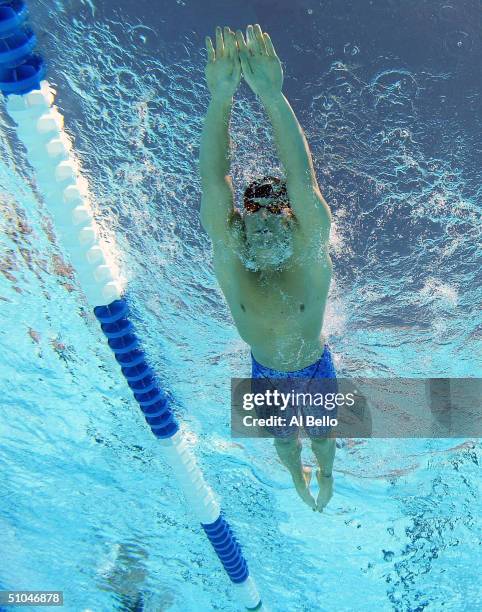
[389, 94]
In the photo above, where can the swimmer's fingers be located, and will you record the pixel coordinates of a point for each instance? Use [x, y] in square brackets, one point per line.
[233, 54]
[229, 42]
[242, 46]
[269, 45]
[258, 34]
[210, 50]
[243, 52]
[219, 42]
[251, 41]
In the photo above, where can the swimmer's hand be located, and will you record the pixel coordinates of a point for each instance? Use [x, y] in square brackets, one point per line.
[223, 69]
[261, 66]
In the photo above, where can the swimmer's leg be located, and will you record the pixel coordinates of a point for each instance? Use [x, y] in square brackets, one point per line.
[324, 451]
[289, 451]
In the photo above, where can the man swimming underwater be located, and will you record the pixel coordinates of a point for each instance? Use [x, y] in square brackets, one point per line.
[271, 260]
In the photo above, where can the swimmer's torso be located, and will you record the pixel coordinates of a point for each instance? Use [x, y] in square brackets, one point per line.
[281, 315]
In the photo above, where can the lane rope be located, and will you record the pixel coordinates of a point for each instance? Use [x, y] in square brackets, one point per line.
[40, 127]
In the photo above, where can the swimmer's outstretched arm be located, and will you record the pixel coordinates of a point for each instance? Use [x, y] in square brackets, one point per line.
[263, 72]
[223, 74]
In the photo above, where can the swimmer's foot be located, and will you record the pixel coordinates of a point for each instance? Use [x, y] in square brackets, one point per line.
[326, 490]
[302, 486]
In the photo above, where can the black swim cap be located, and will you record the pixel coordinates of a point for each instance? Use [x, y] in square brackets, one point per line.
[267, 187]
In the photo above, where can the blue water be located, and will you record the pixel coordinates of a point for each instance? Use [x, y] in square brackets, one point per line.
[389, 94]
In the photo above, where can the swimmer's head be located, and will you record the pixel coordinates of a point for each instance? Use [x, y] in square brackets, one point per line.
[268, 222]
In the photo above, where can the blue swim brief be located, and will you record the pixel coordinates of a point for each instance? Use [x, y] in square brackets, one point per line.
[323, 368]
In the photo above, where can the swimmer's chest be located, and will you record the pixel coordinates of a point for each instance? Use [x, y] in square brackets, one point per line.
[291, 298]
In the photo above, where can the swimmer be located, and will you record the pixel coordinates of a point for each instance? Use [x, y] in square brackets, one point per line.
[271, 259]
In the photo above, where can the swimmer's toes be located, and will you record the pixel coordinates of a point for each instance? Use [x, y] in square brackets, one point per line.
[303, 488]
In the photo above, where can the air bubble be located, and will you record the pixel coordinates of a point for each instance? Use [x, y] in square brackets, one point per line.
[350, 49]
[457, 42]
[142, 36]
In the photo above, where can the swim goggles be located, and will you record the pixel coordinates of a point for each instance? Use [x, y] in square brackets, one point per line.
[274, 208]
[264, 192]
